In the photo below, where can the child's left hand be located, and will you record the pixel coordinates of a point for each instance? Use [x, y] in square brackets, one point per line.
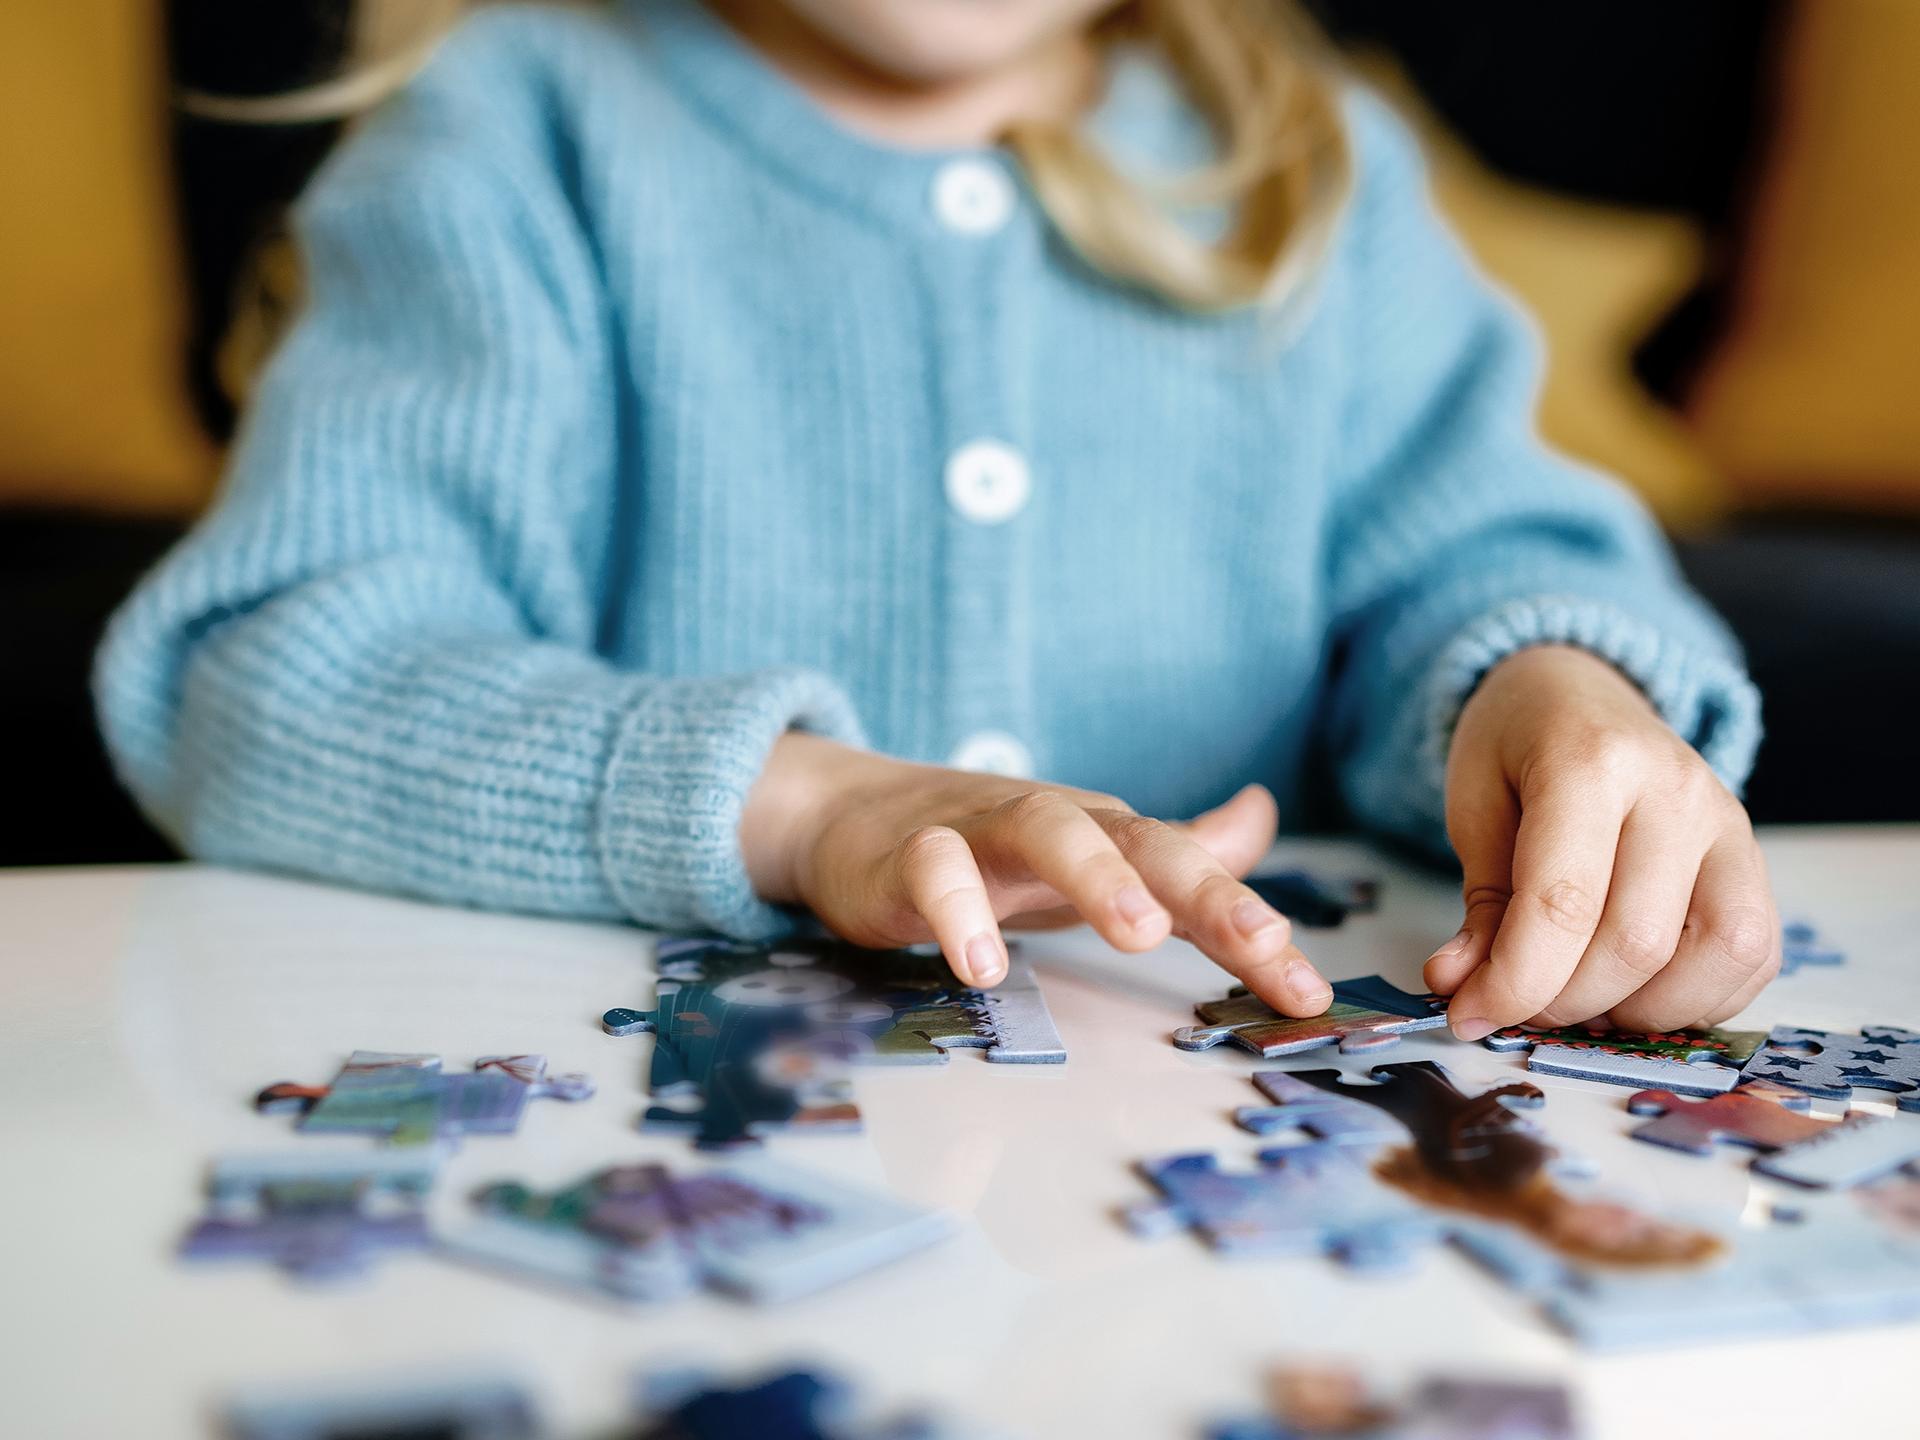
[1609, 873]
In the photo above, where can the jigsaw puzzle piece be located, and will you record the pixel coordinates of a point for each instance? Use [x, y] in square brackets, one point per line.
[1327, 1401]
[641, 1233]
[1833, 1065]
[1314, 903]
[410, 1100]
[1688, 1062]
[798, 1405]
[1300, 1200]
[1760, 1116]
[1801, 946]
[318, 1217]
[1332, 1118]
[1366, 1013]
[473, 1407]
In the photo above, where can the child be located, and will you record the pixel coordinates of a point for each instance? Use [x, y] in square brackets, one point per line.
[705, 422]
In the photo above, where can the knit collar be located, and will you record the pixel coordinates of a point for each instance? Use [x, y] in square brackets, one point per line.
[738, 90]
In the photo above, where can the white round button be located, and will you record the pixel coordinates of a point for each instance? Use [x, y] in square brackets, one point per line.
[972, 197]
[993, 752]
[987, 481]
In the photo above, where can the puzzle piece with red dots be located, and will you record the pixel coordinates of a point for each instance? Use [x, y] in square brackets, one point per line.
[1688, 1062]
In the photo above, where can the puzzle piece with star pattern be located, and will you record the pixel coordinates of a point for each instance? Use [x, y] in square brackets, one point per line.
[1367, 1014]
[1833, 1066]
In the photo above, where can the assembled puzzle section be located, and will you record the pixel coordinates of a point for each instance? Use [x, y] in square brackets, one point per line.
[641, 1233]
[753, 1040]
[1835, 1066]
[1333, 1400]
[317, 1217]
[410, 1100]
[1765, 1116]
[1687, 1062]
[1367, 1013]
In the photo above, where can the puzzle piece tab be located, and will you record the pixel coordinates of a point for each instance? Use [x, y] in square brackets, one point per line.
[1688, 1062]
[641, 1233]
[1833, 1065]
[1823, 1154]
[750, 1040]
[318, 1217]
[409, 1100]
[1367, 1013]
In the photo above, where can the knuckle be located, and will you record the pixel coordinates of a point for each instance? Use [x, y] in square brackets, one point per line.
[1482, 896]
[1028, 807]
[1746, 936]
[1568, 905]
[1641, 947]
[1132, 832]
[926, 847]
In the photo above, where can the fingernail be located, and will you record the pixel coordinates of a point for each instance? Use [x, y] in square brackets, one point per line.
[1471, 1027]
[983, 959]
[1136, 906]
[1452, 948]
[1306, 984]
[1250, 917]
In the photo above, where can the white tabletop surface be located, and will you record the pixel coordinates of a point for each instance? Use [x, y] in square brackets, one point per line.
[140, 1009]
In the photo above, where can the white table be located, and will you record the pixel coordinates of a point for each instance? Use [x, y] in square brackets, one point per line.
[140, 1009]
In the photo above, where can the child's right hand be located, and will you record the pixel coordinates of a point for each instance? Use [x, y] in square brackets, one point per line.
[889, 853]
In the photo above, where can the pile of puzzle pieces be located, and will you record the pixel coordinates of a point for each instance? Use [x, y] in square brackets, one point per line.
[1327, 1195]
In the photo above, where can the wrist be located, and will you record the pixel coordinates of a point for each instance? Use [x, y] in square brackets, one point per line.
[787, 807]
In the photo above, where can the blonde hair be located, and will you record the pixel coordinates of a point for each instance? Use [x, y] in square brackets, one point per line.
[1255, 70]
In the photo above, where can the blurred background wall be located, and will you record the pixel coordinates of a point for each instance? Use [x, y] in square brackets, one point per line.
[1710, 206]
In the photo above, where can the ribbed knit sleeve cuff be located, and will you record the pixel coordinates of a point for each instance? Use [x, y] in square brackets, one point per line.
[677, 779]
[1698, 688]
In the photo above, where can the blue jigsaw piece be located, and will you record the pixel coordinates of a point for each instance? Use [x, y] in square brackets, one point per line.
[1315, 1199]
[1833, 1066]
[466, 1407]
[799, 1405]
[1801, 946]
[1299, 1105]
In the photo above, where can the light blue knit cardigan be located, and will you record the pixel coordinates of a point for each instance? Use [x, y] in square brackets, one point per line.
[611, 445]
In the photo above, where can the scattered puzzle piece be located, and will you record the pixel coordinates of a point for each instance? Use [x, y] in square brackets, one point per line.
[1300, 1200]
[799, 1405]
[317, 1217]
[1688, 1062]
[409, 1100]
[750, 1040]
[471, 1407]
[1366, 1014]
[1329, 1400]
[1832, 1065]
[1300, 1105]
[1823, 1154]
[1314, 903]
[642, 1233]
[1801, 946]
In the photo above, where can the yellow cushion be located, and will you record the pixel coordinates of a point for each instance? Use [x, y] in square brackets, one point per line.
[1812, 397]
[92, 310]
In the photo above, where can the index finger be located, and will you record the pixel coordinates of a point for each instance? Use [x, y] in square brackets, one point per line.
[1563, 856]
